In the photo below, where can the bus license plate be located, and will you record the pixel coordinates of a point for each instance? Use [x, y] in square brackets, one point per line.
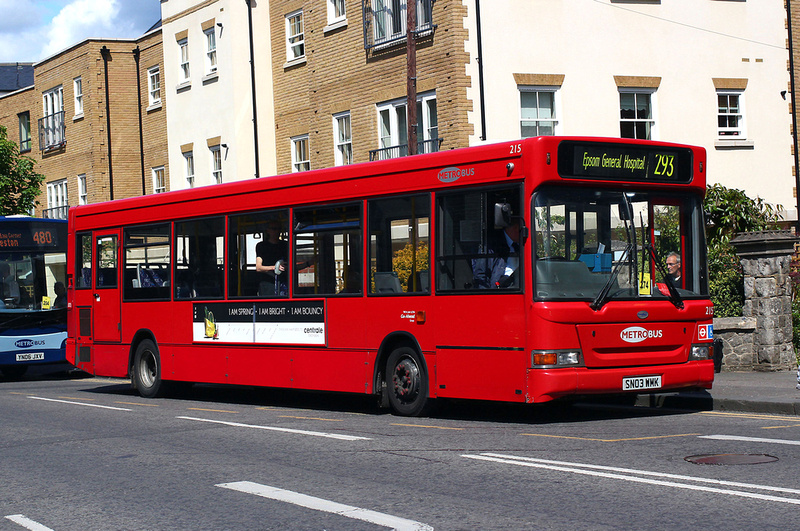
[30, 356]
[641, 382]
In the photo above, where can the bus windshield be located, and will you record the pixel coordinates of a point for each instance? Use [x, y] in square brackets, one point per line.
[603, 244]
[33, 280]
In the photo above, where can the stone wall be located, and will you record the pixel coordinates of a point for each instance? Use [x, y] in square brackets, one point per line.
[767, 313]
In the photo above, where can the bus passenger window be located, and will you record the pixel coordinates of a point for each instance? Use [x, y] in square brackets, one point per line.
[398, 245]
[146, 273]
[258, 255]
[199, 252]
[472, 253]
[327, 250]
[83, 261]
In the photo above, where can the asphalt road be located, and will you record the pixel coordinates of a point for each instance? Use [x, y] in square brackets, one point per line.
[80, 453]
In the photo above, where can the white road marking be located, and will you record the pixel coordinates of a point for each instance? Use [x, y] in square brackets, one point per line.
[341, 437]
[600, 471]
[749, 439]
[79, 403]
[319, 504]
[27, 523]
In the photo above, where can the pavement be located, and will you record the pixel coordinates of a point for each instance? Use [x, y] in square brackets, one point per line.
[754, 392]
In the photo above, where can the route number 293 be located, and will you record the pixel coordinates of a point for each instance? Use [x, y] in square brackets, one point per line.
[664, 165]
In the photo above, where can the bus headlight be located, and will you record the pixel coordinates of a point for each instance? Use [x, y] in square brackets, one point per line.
[542, 359]
[700, 352]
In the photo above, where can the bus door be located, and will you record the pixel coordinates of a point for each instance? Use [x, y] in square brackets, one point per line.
[106, 294]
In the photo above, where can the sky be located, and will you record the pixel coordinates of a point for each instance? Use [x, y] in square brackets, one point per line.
[32, 30]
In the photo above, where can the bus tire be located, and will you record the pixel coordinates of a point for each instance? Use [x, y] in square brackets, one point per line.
[147, 370]
[407, 382]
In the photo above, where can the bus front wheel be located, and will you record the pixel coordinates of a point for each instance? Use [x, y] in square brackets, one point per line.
[147, 370]
[407, 382]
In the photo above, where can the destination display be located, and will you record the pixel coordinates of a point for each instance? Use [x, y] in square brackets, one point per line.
[621, 162]
[29, 236]
[268, 323]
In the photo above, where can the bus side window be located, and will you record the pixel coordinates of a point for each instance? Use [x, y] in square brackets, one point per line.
[327, 250]
[253, 238]
[199, 252]
[398, 245]
[83, 261]
[146, 274]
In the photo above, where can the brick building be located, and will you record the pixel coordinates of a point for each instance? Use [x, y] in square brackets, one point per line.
[94, 121]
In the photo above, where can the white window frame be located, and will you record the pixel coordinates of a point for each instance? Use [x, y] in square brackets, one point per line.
[389, 25]
[188, 168]
[295, 41]
[52, 105]
[83, 191]
[184, 70]
[397, 132]
[77, 93]
[301, 153]
[159, 182]
[57, 194]
[25, 138]
[641, 91]
[154, 86]
[211, 51]
[216, 164]
[734, 133]
[554, 122]
[342, 139]
[333, 16]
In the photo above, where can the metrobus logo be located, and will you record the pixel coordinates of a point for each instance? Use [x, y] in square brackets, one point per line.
[637, 334]
[24, 343]
[452, 174]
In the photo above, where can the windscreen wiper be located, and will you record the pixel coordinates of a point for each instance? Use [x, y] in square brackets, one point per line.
[602, 297]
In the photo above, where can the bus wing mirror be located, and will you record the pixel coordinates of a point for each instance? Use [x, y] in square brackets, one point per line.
[502, 215]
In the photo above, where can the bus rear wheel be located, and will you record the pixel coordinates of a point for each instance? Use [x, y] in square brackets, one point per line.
[407, 382]
[147, 370]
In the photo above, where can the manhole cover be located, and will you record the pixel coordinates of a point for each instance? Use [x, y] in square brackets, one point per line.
[730, 459]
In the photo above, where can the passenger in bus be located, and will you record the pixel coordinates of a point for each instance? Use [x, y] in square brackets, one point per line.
[674, 269]
[61, 295]
[272, 253]
[9, 286]
[499, 268]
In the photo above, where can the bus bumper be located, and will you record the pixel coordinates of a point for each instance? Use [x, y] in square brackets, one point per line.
[548, 384]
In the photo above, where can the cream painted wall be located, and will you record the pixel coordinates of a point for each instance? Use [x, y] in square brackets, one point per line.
[217, 106]
[684, 42]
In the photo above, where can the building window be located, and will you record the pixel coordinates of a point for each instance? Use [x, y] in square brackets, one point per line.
[336, 11]
[636, 114]
[188, 165]
[77, 88]
[300, 157]
[83, 193]
[342, 139]
[51, 126]
[537, 111]
[388, 19]
[184, 60]
[730, 115]
[159, 184]
[393, 128]
[57, 199]
[211, 51]
[154, 85]
[24, 131]
[216, 157]
[295, 43]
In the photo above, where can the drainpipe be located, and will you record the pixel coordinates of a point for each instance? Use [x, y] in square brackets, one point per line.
[480, 70]
[136, 54]
[794, 112]
[253, 83]
[106, 53]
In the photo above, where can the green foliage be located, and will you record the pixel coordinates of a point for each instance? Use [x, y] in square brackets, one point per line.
[409, 260]
[19, 183]
[729, 211]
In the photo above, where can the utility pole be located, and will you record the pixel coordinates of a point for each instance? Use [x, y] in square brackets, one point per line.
[411, 67]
